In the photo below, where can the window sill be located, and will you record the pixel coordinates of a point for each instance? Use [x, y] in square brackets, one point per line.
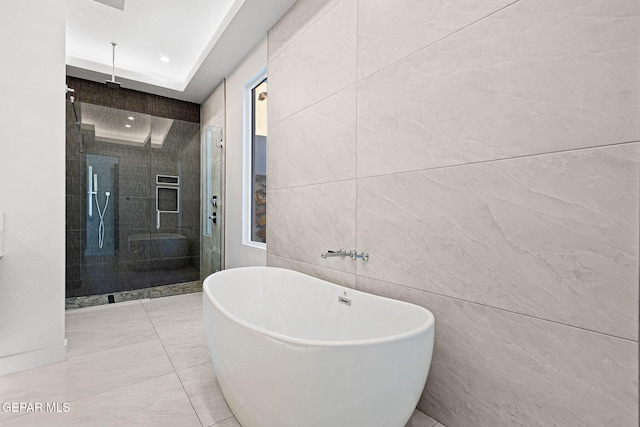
[256, 245]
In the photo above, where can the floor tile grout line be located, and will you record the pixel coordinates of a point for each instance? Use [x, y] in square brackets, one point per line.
[175, 371]
[93, 395]
[120, 386]
[22, 415]
[221, 421]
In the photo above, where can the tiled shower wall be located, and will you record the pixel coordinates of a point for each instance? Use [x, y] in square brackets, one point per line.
[486, 154]
[133, 197]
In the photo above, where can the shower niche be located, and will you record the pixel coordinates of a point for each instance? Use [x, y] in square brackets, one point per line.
[167, 194]
[133, 204]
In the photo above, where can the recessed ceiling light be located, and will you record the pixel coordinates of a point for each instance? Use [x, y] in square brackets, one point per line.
[127, 126]
[130, 118]
[164, 59]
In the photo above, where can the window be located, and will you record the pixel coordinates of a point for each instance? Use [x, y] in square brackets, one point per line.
[255, 162]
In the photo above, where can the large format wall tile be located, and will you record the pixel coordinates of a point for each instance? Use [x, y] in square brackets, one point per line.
[493, 187]
[306, 221]
[553, 236]
[320, 62]
[536, 77]
[389, 30]
[298, 18]
[494, 368]
[334, 276]
[315, 145]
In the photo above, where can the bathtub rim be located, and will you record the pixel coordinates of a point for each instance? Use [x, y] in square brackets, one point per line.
[411, 333]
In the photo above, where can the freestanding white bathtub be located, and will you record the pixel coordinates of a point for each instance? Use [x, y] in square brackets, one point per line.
[289, 350]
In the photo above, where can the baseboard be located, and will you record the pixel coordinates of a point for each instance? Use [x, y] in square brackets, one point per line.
[33, 359]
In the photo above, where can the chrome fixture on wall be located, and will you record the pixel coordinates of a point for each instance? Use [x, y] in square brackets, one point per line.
[92, 190]
[353, 254]
[214, 205]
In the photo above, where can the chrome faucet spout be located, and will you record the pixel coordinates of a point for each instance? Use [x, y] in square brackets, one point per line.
[341, 252]
[353, 254]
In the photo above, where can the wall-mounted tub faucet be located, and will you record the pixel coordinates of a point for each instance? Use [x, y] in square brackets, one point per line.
[340, 252]
[364, 256]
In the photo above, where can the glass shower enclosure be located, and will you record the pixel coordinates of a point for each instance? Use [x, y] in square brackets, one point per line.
[133, 206]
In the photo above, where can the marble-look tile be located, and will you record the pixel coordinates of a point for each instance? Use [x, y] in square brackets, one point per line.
[321, 62]
[316, 145]
[158, 402]
[298, 19]
[168, 306]
[536, 77]
[230, 422]
[333, 276]
[306, 221]
[389, 30]
[88, 374]
[90, 340]
[495, 368]
[205, 395]
[112, 316]
[187, 311]
[420, 419]
[552, 236]
[183, 337]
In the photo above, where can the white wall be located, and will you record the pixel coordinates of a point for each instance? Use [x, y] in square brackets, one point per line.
[237, 254]
[32, 184]
[487, 156]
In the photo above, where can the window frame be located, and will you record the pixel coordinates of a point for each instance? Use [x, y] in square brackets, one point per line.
[247, 159]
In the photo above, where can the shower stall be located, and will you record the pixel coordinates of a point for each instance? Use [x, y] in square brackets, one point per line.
[133, 204]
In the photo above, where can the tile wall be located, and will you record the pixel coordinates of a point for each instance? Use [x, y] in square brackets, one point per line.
[487, 155]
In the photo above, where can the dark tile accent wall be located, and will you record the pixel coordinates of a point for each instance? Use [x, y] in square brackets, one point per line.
[132, 203]
[132, 100]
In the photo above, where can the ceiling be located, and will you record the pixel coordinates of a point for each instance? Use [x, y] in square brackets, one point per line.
[204, 40]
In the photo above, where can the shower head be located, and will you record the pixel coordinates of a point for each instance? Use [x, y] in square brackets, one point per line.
[113, 84]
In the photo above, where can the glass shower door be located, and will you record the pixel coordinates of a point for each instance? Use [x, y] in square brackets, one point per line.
[211, 254]
[133, 205]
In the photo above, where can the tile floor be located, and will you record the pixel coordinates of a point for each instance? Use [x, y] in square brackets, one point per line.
[137, 363]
